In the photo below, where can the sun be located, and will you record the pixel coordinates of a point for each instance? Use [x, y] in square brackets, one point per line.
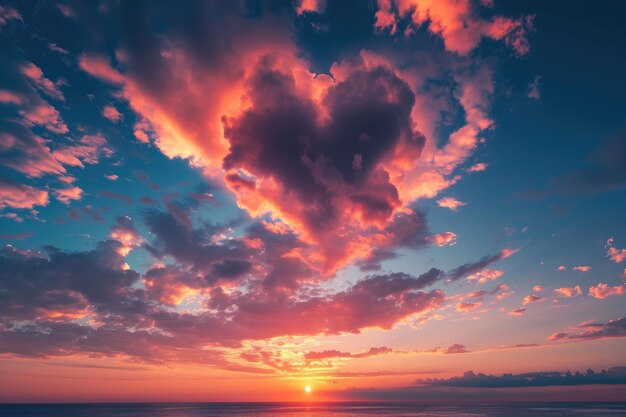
[307, 389]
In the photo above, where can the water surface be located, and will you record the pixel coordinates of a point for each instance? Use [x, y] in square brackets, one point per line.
[312, 410]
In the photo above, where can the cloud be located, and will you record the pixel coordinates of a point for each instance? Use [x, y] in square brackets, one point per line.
[616, 255]
[486, 275]
[450, 203]
[533, 89]
[7, 14]
[200, 248]
[66, 195]
[327, 169]
[36, 155]
[517, 312]
[352, 161]
[29, 107]
[58, 286]
[98, 66]
[111, 113]
[593, 330]
[87, 150]
[397, 282]
[569, 292]
[27, 153]
[443, 239]
[581, 268]
[531, 299]
[470, 269]
[603, 290]
[60, 292]
[615, 375]
[310, 6]
[467, 306]
[456, 22]
[35, 74]
[479, 167]
[330, 354]
[20, 196]
[455, 348]
[50, 292]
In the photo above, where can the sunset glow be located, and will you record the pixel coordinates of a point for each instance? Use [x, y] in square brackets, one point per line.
[312, 201]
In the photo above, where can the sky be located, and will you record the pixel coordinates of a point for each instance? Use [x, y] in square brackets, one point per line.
[380, 200]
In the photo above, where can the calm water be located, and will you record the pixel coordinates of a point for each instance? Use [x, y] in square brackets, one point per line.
[305, 410]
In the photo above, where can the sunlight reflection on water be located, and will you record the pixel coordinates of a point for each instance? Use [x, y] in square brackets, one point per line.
[310, 410]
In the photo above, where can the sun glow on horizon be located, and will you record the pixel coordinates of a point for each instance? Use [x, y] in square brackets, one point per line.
[307, 389]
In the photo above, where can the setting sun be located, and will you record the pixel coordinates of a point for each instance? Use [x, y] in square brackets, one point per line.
[307, 389]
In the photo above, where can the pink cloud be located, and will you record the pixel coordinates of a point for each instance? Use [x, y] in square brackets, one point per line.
[7, 14]
[456, 22]
[331, 354]
[604, 290]
[518, 312]
[66, 195]
[481, 166]
[453, 349]
[486, 275]
[35, 74]
[34, 159]
[561, 268]
[10, 97]
[42, 113]
[111, 113]
[98, 66]
[467, 306]
[443, 239]
[537, 288]
[450, 203]
[141, 130]
[531, 299]
[581, 268]
[87, 150]
[20, 196]
[310, 6]
[616, 255]
[569, 292]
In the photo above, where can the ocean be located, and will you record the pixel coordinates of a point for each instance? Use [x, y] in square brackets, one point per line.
[312, 410]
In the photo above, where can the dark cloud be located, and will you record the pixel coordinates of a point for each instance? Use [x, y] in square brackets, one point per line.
[616, 375]
[197, 248]
[279, 137]
[474, 267]
[455, 348]
[593, 330]
[397, 282]
[230, 268]
[408, 229]
[65, 284]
